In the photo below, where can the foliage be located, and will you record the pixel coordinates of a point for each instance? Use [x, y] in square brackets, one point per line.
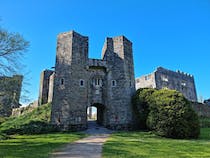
[171, 115]
[168, 113]
[12, 47]
[204, 122]
[35, 146]
[33, 122]
[140, 105]
[148, 145]
[2, 119]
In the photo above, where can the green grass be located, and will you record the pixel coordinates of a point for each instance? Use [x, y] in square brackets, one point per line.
[35, 146]
[29, 122]
[148, 145]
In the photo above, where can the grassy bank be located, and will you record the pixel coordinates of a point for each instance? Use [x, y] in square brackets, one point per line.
[148, 145]
[35, 146]
[34, 122]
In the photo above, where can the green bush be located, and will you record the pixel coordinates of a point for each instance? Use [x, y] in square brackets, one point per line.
[171, 115]
[204, 122]
[141, 107]
[168, 113]
[2, 119]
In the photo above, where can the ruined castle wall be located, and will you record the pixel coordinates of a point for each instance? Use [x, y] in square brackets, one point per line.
[163, 78]
[10, 90]
[44, 86]
[203, 110]
[51, 83]
[147, 81]
[181, 82]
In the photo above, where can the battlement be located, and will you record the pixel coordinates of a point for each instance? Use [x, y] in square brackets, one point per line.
[164, 78]
[72, 32]
[161, 69]
[97, 63]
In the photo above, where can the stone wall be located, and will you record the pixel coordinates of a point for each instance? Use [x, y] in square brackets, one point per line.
[203, 110]
[179, 81]
[163, 78]
[207, 102]
[45, 90]
[51, 83]
[146, 81]
[23, 110]
[10, 90]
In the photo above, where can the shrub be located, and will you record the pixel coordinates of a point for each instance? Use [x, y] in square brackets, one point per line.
[2, 119]
[141, 107]
[204, 122]
[171, 115]
[166, 112]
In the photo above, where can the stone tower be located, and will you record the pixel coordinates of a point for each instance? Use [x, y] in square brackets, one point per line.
[80, 82]
[46, 86]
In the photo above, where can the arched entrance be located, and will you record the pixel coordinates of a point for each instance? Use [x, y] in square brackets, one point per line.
[95, 114]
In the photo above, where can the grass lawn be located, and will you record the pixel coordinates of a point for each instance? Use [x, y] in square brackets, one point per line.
[35, 146]
[146, 145]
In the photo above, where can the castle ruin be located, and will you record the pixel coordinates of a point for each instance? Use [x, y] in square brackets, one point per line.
[46, 87]
[80, 82]
[10, 89]
[108, 84]
[163, 78]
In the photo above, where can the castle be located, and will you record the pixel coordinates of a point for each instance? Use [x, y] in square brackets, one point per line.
[163, 78]
[79, 82]
[108, 84]
[10, 89]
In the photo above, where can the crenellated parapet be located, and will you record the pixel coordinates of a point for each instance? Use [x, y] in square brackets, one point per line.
[164, 78]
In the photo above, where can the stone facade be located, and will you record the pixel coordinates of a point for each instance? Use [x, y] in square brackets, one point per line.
[163, 78]
[10, 89]
[80, 82]
[202, 109]
[26, 109]
[207, 102]
[46, 87]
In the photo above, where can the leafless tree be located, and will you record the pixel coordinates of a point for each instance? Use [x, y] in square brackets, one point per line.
[12, 48]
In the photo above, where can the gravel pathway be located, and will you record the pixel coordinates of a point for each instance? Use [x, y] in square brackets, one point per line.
[89, 147]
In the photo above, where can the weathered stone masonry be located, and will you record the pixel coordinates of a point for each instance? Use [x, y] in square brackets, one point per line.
[106, 83]
[163, 78]
[46, 87]
[10, 89]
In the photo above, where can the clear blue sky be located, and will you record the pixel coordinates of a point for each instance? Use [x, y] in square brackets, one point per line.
[174, 34]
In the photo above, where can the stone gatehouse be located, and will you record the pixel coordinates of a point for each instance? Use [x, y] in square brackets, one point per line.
[80, 82]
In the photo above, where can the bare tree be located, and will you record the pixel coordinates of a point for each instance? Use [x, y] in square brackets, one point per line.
[12, 48]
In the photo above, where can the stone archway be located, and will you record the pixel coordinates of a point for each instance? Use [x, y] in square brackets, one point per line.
[99, 118]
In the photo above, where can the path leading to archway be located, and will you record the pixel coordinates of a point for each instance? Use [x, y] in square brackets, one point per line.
[89, 147]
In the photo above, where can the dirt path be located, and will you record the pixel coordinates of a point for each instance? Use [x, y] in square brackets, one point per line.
[89, 147]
